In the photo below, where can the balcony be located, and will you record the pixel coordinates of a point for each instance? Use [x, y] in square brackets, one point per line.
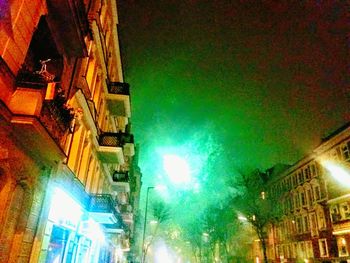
[103, 209]
[118, 98]
[111, 146]
[38, 121]
[118, 227]
[341, 227]
[115, 228]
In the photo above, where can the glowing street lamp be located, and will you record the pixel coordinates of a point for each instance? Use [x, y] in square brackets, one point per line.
[153, 222]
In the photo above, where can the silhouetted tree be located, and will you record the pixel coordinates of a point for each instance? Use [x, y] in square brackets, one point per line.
[257, 205]
[192, 233]
[161, 214]
[222, 224]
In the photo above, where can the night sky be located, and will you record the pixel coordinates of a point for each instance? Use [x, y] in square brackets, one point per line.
[233, 83]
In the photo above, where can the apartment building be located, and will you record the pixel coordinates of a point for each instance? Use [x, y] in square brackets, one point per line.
[68, 185]
[315, 198]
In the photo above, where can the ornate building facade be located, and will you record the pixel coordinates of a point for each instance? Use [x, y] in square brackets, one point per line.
[69, 181]
[315, 198]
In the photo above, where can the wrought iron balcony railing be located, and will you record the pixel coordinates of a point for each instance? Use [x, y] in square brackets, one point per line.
[76, 188]
[103, 203]
[114, 139]
[56, 118]
[110, 139]
[27, 79]
[120, 88]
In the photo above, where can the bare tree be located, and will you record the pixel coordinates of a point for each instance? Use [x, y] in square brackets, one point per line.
[161, 214]
[252, 199]
[192, 232]
[221, 223]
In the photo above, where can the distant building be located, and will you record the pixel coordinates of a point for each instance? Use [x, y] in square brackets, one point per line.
[69, 183]
[315, 226]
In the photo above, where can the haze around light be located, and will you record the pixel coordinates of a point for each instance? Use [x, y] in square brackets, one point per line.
[177, 169]
[230, 84]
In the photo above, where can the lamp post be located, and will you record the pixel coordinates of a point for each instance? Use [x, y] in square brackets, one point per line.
[144, 225]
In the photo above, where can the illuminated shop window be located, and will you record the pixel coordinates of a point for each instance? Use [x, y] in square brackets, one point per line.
[57, 244]
[294, 180]
[335, 215]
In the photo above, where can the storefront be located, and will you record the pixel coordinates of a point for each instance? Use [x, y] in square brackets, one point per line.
[70, 235]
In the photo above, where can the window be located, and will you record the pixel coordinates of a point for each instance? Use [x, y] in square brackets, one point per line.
[300, 177]
[291, 201]
[294, 250]
[313, 224]
[310, 196]
[335, 154]
[302, 199]
[302, 249]
[321, 219]
[307, 173]
[295, 180]
[345, 210]
[313, 170]
[309, 250]
[293, 227]
[322, 243]
[306, 223]
[343, 251]
[346, 151]
[299, 225]
[317, 192]
[289, 183]
[296, 201]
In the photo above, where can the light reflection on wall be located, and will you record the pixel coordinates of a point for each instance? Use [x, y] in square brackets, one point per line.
[339, 173]
[64, 209]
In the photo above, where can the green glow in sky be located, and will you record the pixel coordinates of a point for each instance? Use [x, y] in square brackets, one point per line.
[230, 83]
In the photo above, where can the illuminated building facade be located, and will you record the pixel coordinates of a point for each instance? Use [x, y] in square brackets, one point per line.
[315, 199]
[69, 182]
